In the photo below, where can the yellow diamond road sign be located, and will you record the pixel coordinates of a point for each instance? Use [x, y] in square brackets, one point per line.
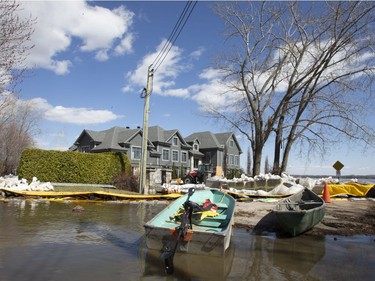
[338, 166]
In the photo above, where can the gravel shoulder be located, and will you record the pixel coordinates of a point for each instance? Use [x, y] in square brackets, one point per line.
[343, 217]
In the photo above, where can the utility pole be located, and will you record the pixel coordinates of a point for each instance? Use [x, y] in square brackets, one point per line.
[143, 188]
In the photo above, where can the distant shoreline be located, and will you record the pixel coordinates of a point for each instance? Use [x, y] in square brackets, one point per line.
[334, 176]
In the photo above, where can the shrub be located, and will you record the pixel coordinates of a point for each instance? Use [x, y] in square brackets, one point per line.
[72, 167]
[234, 173]
[174, 172]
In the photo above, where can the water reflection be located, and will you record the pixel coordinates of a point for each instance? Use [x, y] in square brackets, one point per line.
[42, 240]
[297, 255]
[269, 258]
[189, 267]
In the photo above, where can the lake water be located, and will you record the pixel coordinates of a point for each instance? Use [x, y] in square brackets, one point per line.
[46, 241]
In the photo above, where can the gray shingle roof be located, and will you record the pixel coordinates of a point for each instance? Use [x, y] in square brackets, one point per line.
[118, 138]
[126, 135]
[210, 140]
[97, 136]
[223, 137]
[158, 134]
[109, 140]
[206, 140]
[112, 138]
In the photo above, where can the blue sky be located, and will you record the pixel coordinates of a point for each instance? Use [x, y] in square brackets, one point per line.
[89, 65]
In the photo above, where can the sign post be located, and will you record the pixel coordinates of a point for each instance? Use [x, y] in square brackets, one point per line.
[338, 166]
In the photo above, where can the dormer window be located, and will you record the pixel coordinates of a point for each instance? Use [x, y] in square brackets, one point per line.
[231, 143]
[196, 145]
[175, 141]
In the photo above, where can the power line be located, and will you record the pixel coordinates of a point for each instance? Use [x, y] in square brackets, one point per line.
[163, 50]
[143, 188]
[180, 24]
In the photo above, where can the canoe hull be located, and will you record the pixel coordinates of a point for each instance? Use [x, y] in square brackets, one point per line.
[210, 237]
[300, 212]
[202, 243]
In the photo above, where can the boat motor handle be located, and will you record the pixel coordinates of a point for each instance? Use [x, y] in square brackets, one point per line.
[190, 192]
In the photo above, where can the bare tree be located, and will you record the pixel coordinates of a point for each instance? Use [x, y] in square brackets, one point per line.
[248, 160]
[15, 44]
[17, 134]
[267, 168]
[17, 119]
[301, 73]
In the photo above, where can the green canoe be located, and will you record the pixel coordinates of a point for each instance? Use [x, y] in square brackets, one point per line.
[299, 212]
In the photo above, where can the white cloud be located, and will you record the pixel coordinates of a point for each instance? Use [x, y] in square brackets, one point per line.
[214, 93]
[197, 53]
[211, 74]
[165, 74]
[128, 89]
[181, 93]
[102, 55]
[59, 67]
[210, 94]
[98, 26]
[125, 45]
[73, 115]
[99, 30]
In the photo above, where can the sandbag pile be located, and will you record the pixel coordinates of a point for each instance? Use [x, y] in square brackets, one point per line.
[15, 184]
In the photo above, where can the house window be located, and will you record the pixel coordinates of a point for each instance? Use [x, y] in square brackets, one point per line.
[236, 160]
[175, 141]
[175, 155]
[136, 153]
[231, 143]
[183, 156]
[165, 156]
[196, 147]
[231, 159]
[85, 149]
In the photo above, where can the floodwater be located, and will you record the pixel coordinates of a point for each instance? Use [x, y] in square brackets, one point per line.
[46, 241]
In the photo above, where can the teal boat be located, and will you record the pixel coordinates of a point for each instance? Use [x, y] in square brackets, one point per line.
[300, 212]
[199, 222]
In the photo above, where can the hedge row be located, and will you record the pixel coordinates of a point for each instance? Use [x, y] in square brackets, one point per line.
[72, 167]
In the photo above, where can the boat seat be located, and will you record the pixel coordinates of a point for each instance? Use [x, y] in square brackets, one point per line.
[212, 223]
[217, 221]
[222, 205]
[310, 205]
[221, 217]
[206, 223]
